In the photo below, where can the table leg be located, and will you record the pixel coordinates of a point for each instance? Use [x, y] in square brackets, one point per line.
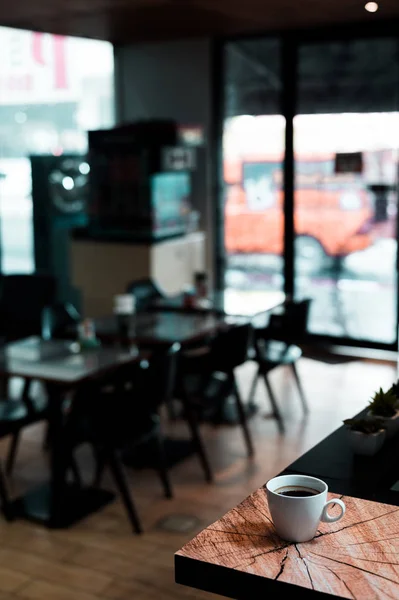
[58, 458]
[59, 504]
[4, 386]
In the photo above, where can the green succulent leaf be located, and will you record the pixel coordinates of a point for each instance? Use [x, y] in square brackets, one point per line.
[383, 404]
[395, 389]
[370, 425]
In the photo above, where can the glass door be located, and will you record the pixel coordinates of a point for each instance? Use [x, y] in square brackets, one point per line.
[341, 197]
[253, 153]
[346, 137]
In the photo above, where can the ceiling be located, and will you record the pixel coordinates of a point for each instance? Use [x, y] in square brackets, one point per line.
[122, 21]
[333, 77]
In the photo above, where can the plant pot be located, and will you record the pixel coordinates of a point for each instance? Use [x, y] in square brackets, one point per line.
[391, 424]
[366, 443]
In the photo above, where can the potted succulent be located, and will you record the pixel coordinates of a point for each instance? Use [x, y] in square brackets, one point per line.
[384, 405]
[366, 435]
[395, 390]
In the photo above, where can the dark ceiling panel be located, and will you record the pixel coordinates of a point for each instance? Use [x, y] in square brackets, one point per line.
[122, 21]
[333, 77]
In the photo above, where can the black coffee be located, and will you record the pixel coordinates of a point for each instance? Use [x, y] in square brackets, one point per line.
[296, 492]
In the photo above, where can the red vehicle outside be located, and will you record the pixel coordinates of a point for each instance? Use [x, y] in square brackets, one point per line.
[333, 213]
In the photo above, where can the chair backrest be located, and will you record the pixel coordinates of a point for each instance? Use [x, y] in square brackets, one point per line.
[116, 402]
[229, 349]
[154, 380]
[292, 323]
[22, 299]
[145, 291]
[59, 321]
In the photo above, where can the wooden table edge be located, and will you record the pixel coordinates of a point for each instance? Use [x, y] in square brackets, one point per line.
[68, 382]
[232, 583]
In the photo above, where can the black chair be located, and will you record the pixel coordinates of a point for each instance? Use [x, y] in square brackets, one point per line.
[277, 345]
[15, 415]
[145, 292]
[206, 379]
[120, 414]
[22, 300]
[59, 321]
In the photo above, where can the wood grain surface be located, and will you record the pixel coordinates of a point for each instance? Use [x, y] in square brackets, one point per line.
[357, 557]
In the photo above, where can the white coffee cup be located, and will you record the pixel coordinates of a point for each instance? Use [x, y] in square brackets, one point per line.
[297, 518]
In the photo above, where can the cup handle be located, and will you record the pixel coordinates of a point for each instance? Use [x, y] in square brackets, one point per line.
[328, 518]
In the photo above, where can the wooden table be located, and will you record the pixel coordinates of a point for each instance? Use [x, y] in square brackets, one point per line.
[152, 329]
[61, 370]
[157, 328]
[240, 556]
[225, 302]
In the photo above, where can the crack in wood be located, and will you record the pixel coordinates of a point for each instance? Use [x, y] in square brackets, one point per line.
[374, 541]
[339, 578]
[282, 566]
[380, 562]
[355, 524]
[265, 536]
[260, 511]
[211, 542]
[373, 584]
[224, 554]
[253, 558]
[231, 553]
[243, 517]
[306, 566]
[341, 562]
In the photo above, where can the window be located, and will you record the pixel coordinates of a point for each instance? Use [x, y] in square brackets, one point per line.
[53, 89]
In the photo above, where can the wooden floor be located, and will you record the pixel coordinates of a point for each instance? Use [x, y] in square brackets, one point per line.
[101, 559]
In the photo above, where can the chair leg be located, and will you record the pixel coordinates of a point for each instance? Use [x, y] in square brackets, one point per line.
[251, 402]
[100, 459]
[46, 438]
[162, 467]
[26, 388]
[243, 418]
[300, 389]
[172, 413]
[6, 506]
[75, 471]
[276, 411]
[120, 480]
[193, 425]
[4, 387]
[12, 451]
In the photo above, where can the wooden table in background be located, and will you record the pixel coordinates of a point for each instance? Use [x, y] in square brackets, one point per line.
[61, 370]
[157, 328]
[227, 302]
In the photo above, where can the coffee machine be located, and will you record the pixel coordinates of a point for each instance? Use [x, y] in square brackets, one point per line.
[140, 181]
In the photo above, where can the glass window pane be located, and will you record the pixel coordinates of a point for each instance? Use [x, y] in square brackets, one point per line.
[52, 90]
[346, 152]
[253, 151]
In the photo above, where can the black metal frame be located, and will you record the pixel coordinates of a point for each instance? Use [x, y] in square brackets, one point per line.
[290, 43]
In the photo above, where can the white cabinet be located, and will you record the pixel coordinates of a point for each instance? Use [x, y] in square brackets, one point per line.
[101, 269]
[174, 262]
